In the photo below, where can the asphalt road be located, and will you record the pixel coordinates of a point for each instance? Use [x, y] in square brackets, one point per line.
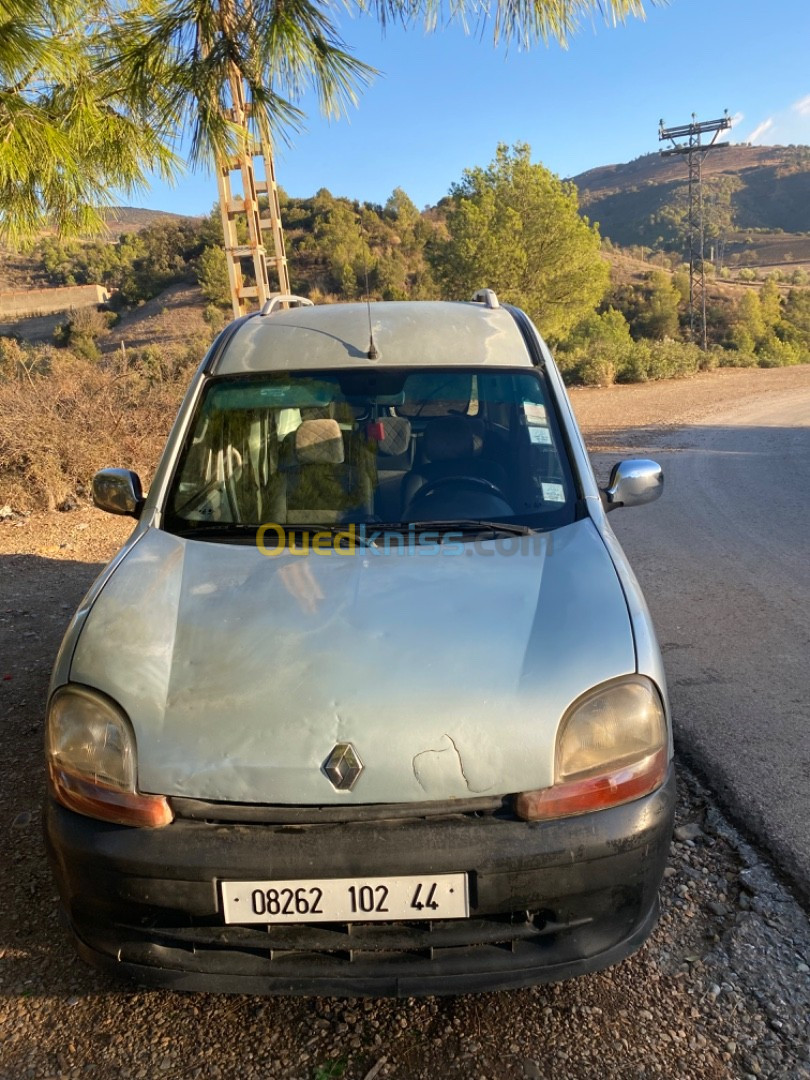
[724, 561]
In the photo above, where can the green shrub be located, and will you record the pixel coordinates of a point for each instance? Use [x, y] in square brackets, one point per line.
[636, 363]
[652, 360]
[711, 359]
[673, 359]
[19, 360]
[601, 363]
[215, 317]
[83, 329]
[597, 370]
[773, 352]
[738, 358]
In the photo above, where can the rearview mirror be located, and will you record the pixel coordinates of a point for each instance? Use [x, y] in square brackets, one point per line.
[633, 483]
[118, 491]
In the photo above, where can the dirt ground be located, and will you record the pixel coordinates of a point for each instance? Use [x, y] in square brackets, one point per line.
[172, 320]
[619, 417]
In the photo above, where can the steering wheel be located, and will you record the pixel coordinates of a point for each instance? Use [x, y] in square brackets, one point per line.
[458, 481]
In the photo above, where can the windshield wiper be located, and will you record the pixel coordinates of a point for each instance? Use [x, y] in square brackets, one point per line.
[238, 528]
[462, 525]
[353, 529]
[190, 529]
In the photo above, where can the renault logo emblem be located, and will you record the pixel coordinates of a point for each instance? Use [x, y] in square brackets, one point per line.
[343, 766]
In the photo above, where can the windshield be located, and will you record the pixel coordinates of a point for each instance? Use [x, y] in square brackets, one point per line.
[373, 447]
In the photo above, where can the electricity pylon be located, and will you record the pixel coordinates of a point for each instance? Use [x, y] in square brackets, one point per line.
[695, 152]
[252, 151]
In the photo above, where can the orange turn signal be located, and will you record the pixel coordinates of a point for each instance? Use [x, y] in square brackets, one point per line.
[598, 792]
[108, 803]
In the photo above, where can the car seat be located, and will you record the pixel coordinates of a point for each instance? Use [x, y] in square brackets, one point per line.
[452, 446]
[329, 475]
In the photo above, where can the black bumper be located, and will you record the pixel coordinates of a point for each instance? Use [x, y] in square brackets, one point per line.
[548, 900]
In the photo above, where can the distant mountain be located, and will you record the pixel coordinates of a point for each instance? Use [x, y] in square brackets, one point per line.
[129, 219]
[773, 196]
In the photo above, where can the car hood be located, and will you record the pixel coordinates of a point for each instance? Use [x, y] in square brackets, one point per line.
[447, 670]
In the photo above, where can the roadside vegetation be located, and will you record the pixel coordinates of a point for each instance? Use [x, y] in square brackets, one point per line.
[513, 226]
[66, 416]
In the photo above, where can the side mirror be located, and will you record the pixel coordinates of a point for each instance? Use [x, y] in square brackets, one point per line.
[633, 483]
[118, 491]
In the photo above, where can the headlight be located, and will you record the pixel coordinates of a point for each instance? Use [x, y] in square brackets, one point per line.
[608, 727]
[92, 761]
[611, 748]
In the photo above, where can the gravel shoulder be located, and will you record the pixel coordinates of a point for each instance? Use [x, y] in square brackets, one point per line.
[721, 989]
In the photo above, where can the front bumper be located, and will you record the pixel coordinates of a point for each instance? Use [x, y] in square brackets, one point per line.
[549, 900]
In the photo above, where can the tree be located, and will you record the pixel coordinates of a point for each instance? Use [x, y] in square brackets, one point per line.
[515, 227]
[658, 316]
[797, 312]
[212, 275]
[406, 218]
[69, 137]
[680, 279]
[771, 303]
[748, 325]
[337, 238]
[93, 97]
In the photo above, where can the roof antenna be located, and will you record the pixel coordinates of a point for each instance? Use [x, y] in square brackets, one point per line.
[372, 353]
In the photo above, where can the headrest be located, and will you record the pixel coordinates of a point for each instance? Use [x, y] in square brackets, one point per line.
[454, 437]
[318, 412]
[396, 435]
[319, 442]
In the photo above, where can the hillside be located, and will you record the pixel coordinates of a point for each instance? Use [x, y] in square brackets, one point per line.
[23, 270]
[167, 280]
[769, 188]
[130, 219]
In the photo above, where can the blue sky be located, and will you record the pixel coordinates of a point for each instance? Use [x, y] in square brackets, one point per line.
[444, 101]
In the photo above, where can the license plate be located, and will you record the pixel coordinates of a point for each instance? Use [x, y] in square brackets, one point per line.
[440, 896]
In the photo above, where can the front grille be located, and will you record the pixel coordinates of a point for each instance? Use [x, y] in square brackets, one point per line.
[341, 945]
[218, 813]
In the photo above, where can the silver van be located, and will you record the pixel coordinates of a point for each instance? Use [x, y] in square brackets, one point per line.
[370, 702]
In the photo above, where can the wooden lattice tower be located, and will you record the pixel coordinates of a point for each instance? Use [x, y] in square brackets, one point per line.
[254, 162]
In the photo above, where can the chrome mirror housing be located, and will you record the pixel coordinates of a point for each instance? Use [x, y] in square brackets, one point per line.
[118, 491]
[633, 483]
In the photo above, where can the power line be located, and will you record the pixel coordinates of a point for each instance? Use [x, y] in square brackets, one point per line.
[686, 139]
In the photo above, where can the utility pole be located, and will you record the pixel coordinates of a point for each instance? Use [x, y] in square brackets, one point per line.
[695, 152]
[251, 152]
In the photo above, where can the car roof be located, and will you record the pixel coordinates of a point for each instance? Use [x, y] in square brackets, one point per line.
[406, 334]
